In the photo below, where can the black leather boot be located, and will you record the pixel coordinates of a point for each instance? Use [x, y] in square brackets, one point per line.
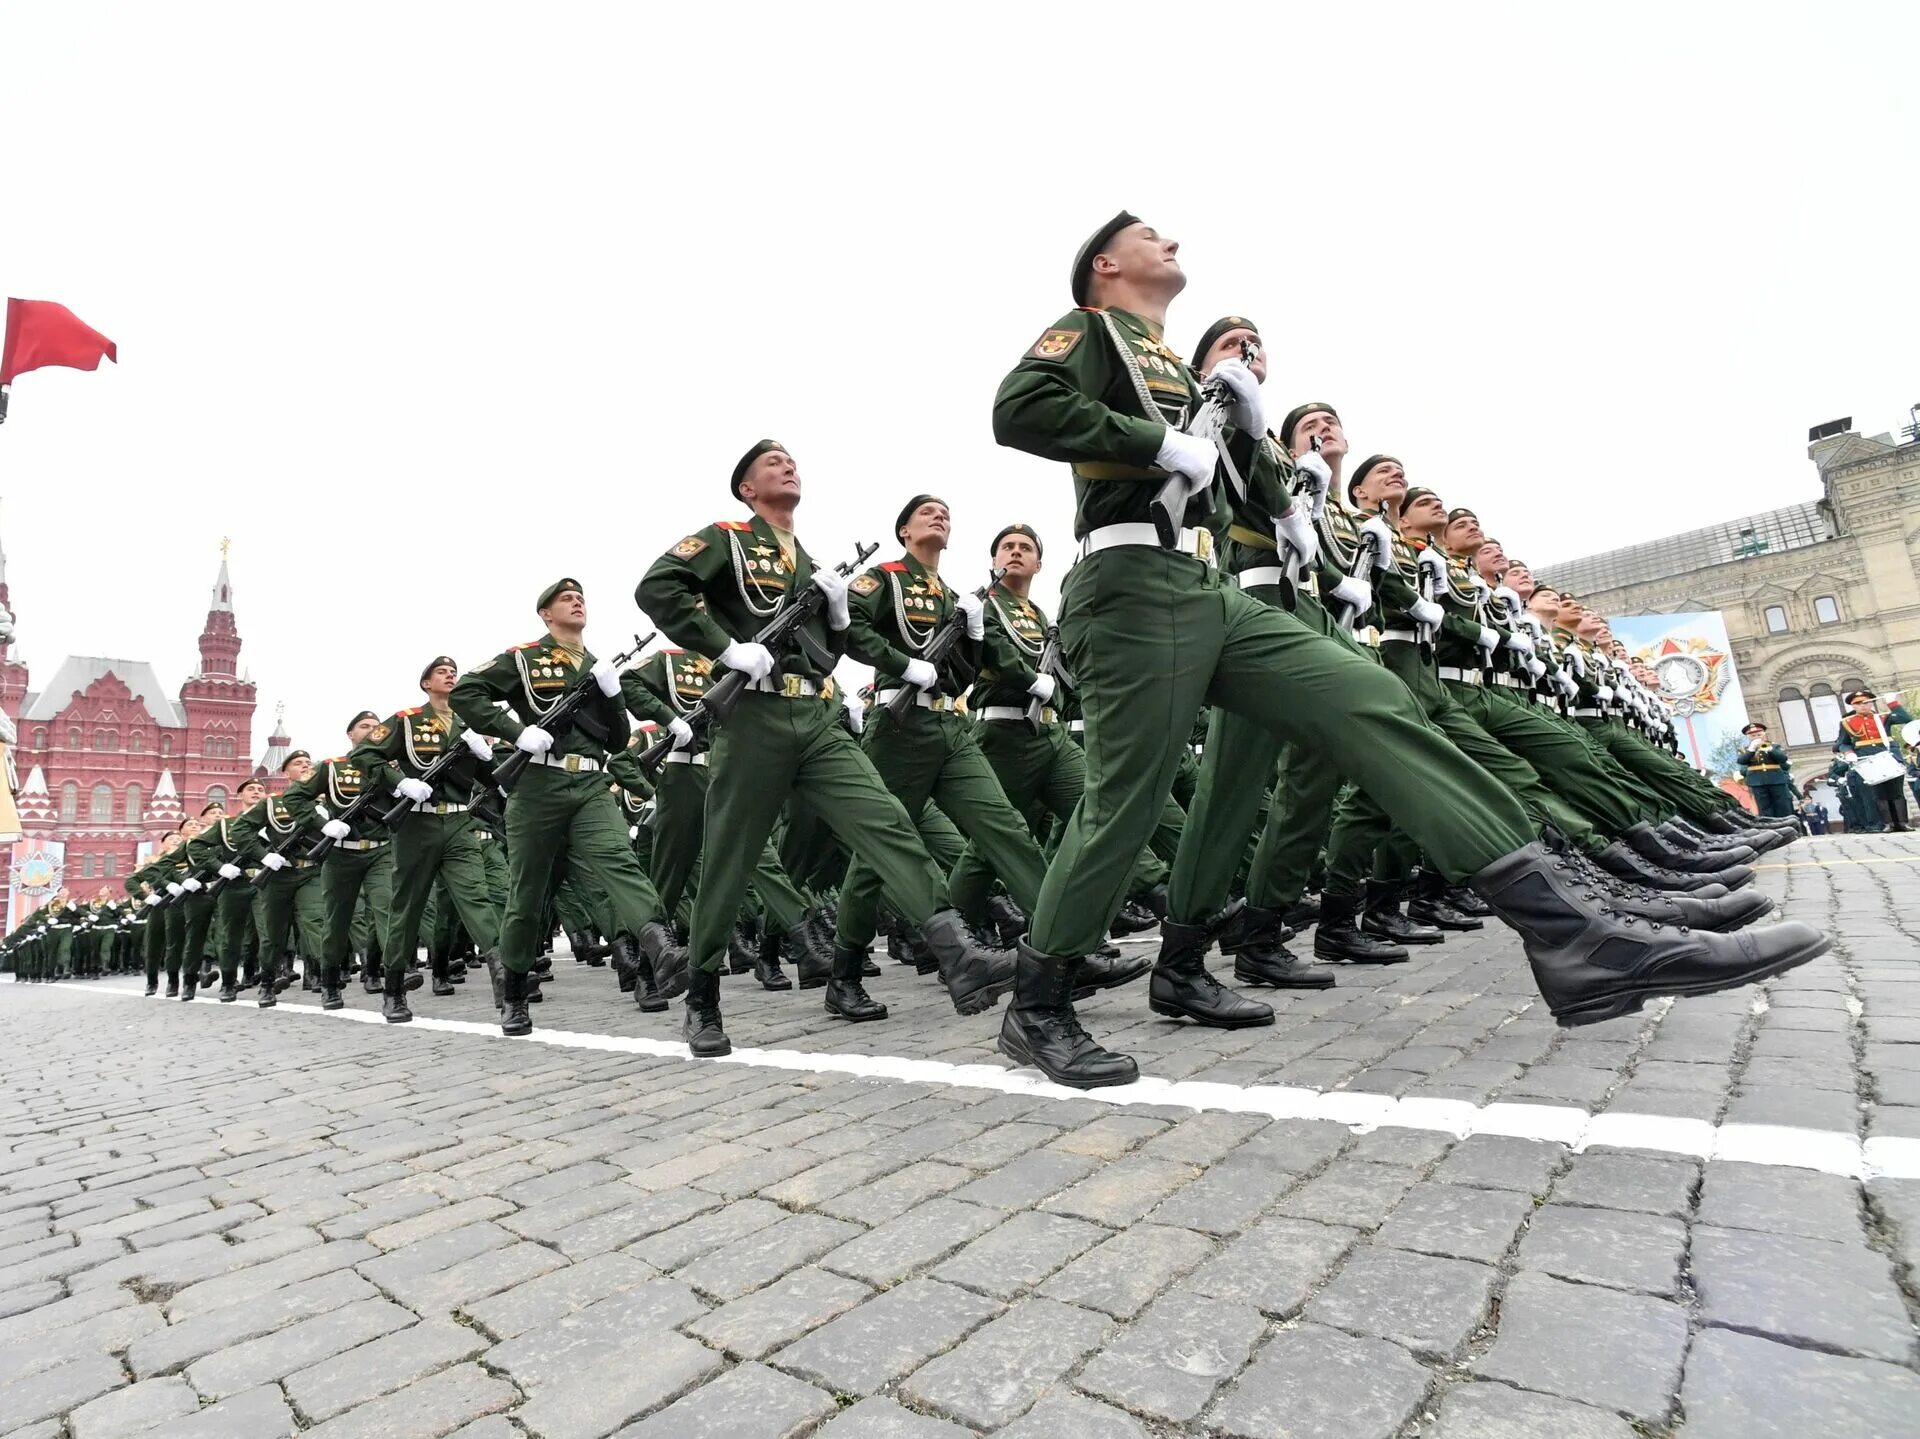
[437, 962]
[393, 1000]
[514, 1019]
[1733, 911]
[1154, 897]
[494, 970]
[228, 992]
[1307, 911]
[153, 985]
[1648, 842]
[1383, 916]
[269, 981]
[905, 945]
[700, 1023]
[189, 981]
[626, 962]
[1618, 859]
[586, 949]
[1041, 1029]
[742, 949]
[1722, 847]
[1133, 918]
[330, 996]
[1594, 963]
[1109, 967]
[371, 976]
[1339, 937]
[1008, 919]
[847, 997]
[974, 975]
[1261, 956]
[1466, 901]
[1430, 905]
[766, 964]
[667, 959]
[647, 997]
[815, 966]
[1182, 988]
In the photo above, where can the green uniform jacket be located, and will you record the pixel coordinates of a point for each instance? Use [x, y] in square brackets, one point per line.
[412, 740]
[1016, 633]
[531, 678]
[271, 825]
[667, 685]
[222, 842]
[335, 784]
[1765, 764]
[896, 609]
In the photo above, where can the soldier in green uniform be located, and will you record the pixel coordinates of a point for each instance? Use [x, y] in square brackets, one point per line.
[287, 894]
[147, 888]
[225, 847]
[434, 840]
[561, 806]
[1152, 632]
[188, 916]
[712, 593]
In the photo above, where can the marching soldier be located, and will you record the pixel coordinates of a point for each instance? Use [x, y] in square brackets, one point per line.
[224, 848]
[289, 896]
[1768, 772]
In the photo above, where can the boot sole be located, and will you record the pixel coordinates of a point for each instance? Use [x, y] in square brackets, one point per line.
[1619, 1005]
[857, 1018]
[1174, 1011]
[1360, 959]
[1018, 1054]
[1397, 939]
[776, 988]
[1260, 981]
[979, 1001]
[720, 1052]
[652, 1007]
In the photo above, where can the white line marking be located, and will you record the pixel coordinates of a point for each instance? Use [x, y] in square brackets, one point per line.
[1781, 1146]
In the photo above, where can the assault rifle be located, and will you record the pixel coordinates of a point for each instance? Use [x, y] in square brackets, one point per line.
[1372, 552]
[1312, 492]
[939, 647]
[452, 755]
[558, 719]
[1169, 505]
[1051, 662]
[784, 630]
[362, 802]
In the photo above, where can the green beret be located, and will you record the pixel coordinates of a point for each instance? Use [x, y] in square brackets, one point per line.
[760, 447]
[364, 714]
[1299, 413]
[435, 663]
[1353, 480]
[1413, 493]
[297, 754]
[1027, 530]
[1215, 331]
[906, 511]
[1458, 511]
[1083, 262]
[546, 595]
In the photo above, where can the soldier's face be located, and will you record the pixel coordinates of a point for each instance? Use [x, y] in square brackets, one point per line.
[1017, 556]
[1424, 515]
[1519, 579]
[189, 828]
[567, 609]
[930, 524]
[1228, 347]
[1590, 625]
[251, 794]
[366, 725]
[1463, 535]
[298, 770]
[1491, 561]
[770, 477]
[1544, 605]
[1142, 256]
[1385, 481]
[440, 681]
[1325, 427]
[1568, 613]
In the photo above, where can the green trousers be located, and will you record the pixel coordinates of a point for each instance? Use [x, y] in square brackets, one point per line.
[1673, 783]
[347, 875]
[679, 833]
[154, 942]
[1772, 801]
[554, 814]
[427, 847]
[1151, 636]
[291, 904]
[1558, 754]
[772, 747]
[932, 756]
[234, 910]
[177, 916]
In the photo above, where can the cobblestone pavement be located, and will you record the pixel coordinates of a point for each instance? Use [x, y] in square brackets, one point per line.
[215, 1221]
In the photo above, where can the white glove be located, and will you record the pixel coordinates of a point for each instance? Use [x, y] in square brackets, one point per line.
[152, 900]
[857, 717]
[1042, 688]
[1520, 644]
[1357, 593]
[1294, 529]
[274, 861]
[1315, 467]
[229, 871]
[1512, 600]
[920, 674]
[1536, 668]
[633, 831]
[190, 884]
[1489, 640]
[335, 829]
[607, 677]
[1248, 411]
[752, 660]
[1567, 686]
[975, 609]
[1575, 658]
[833, 585]
[1188, 456]
[417, 790]
[682, 733]
[534, 740]
[477, 742]
[1435, 564]
[1605, 692]
[1426, 612]
[1381, 541]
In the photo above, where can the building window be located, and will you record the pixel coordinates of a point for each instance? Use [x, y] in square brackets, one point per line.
[1795, 718]
[1848, 686]
[69, 802]
[1826, 609]
[136, 741]
[1776, 616]
[166, 744]
[1825, 705]
[132, 810]
[86, 867]
[73, 737]
[106, 739]
[40, 737]
[100, 806]
[216, 794]
[113, 866]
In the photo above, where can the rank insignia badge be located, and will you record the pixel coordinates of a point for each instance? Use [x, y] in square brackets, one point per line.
[1055, 344]
[688, 548]
[865, 585]
[380, 732]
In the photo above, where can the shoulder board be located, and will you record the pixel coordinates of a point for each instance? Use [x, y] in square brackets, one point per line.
[529, 645]
[405, 714]
[672, 652]
[337, 759]
[732, 525]
[894, 567]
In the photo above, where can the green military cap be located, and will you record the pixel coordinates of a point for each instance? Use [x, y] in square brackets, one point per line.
[1299, 413]
[906, 512]
[1353, 481]
[1218, 328]
[1027, 530]
[449, 661]
[297, 754]
[1460, 512]
[1413, 493]
[364, 714]
[211, 806]
[760, 447]
[1083, 261]
[546, 595]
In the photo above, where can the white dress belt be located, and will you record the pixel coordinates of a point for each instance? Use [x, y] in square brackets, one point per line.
[1198, 543]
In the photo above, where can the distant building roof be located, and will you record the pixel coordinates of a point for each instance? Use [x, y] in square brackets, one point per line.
[76, 672]
[1792, 528]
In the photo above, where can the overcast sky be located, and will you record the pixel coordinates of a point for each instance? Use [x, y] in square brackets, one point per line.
[425, 305]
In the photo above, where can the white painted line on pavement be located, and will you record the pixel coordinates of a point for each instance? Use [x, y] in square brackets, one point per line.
[1828, 1151]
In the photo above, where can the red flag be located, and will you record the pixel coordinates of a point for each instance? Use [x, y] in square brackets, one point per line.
[41, 333]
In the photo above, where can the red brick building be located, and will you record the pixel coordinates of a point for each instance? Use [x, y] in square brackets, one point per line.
[107, 758]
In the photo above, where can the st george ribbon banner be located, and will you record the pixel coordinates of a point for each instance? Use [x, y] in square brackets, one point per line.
[1690, 660]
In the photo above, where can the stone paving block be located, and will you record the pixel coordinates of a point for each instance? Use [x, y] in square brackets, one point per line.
[1740, 1386]
[749, 1402]
[1499, 1161]
[1069, 1416]
[1109, 1137]
[758, 1323]
[886, 1338]
[545, 1356]
[191, 1260]
[81, 1261]
[1171, 1360]
[884, 1419]
[762, 1257]
[669, 1249]
[1608, 1179]
[1622, 1250]
[1020, 1252]
[1801, 1290]
[52, 1392]
[1456, 1222]
[459, 1285]
[1393, 1144]
[263, 1279]
[1431, 1306]
[599, 1387]
[1123, 1275]
[257, 1414]
[917, 1239]
[1028, 1180]
[134, 1409]
[191, 1226]
[272, 1357]
[1595, 1346]
[1296, 1146]
[626, 1224]
[364, 1374]
[1493, 1411]
[559, 1293]
[1349, 1193]
[993, 1147]
[1204, 1138]
[33, 1327]
[438, 1221]
[1312, 1381]
[997, 1373]
[552, 1185]
[108, 1332]
[894, 1194]
[434, 1406]
[1779, 1200]
[1123, 1191]
[1274, 1266]
[1799, 1108]
[166, 1350]
[432, 1255]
